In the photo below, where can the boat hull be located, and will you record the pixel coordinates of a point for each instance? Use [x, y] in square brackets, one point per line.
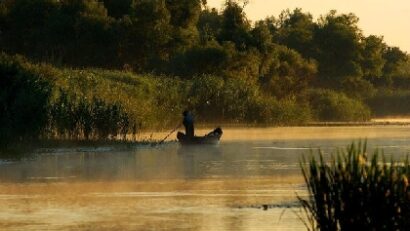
[211, 138]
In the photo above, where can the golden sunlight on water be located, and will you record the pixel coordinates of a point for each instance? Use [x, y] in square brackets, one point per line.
[300, 133]
[177, 188]
[392, 119]
[170, 205]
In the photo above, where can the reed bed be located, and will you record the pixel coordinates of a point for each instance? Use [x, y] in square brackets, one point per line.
[356, 191]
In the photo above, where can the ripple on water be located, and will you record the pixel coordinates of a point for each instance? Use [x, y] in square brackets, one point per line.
[171, 188]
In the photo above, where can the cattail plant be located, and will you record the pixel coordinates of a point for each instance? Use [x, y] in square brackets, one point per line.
[355, 191]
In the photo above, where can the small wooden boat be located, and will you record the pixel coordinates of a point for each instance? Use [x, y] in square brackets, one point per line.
[211, 138]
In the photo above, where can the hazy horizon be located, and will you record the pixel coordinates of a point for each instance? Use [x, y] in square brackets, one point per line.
[377, 17]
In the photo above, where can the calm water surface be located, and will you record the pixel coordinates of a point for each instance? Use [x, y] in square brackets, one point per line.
[176, 188]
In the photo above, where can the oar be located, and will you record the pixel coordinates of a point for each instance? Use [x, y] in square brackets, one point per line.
[163, 140]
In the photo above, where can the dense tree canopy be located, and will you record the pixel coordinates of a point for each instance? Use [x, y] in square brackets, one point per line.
[296, 30]
[283, 57]
[148, 36]
[339, 47]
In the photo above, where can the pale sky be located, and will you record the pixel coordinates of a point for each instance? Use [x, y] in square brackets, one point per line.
[389, 18]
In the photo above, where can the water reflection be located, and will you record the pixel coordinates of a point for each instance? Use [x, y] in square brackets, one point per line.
[170, 187]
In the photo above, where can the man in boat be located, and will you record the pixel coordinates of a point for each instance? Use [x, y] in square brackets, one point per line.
[188, 123]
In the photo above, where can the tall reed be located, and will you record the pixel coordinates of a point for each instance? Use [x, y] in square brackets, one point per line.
[354, 191]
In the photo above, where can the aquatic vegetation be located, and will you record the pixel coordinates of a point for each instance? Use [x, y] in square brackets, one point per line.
[357, 191]
[42, 101]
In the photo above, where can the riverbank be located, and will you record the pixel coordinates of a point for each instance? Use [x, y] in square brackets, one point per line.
[65, 103]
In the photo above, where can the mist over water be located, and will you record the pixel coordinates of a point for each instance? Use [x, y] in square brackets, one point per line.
[170, 187]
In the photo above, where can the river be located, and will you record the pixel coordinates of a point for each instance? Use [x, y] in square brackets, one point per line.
[170, 187]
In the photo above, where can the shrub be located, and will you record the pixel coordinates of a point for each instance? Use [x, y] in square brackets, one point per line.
[385, 102]
[357, 87]
[270, 111]
[287, 73]
[43, 101]
[238, 95]
[23, 100]
[199, 60]
[328, 105]
[206, 97]
[237, 100]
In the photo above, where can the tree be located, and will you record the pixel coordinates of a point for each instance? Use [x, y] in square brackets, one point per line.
[26, 26]
[396, 71]
[373, 62]
[70, 32]
[296, 30]
[261, 36]
[262, 40]
[93, 41]
[393, 56]
[288, 74]
[243, 65]
[338, 40]
[24, 97]
[209, 59]
[209, 25]
[184, 18]
[235, 25]
[118, 8]
[3, 20]
[146, 35]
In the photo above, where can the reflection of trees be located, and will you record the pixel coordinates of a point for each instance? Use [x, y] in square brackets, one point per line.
[108, 166]
[195, 159]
